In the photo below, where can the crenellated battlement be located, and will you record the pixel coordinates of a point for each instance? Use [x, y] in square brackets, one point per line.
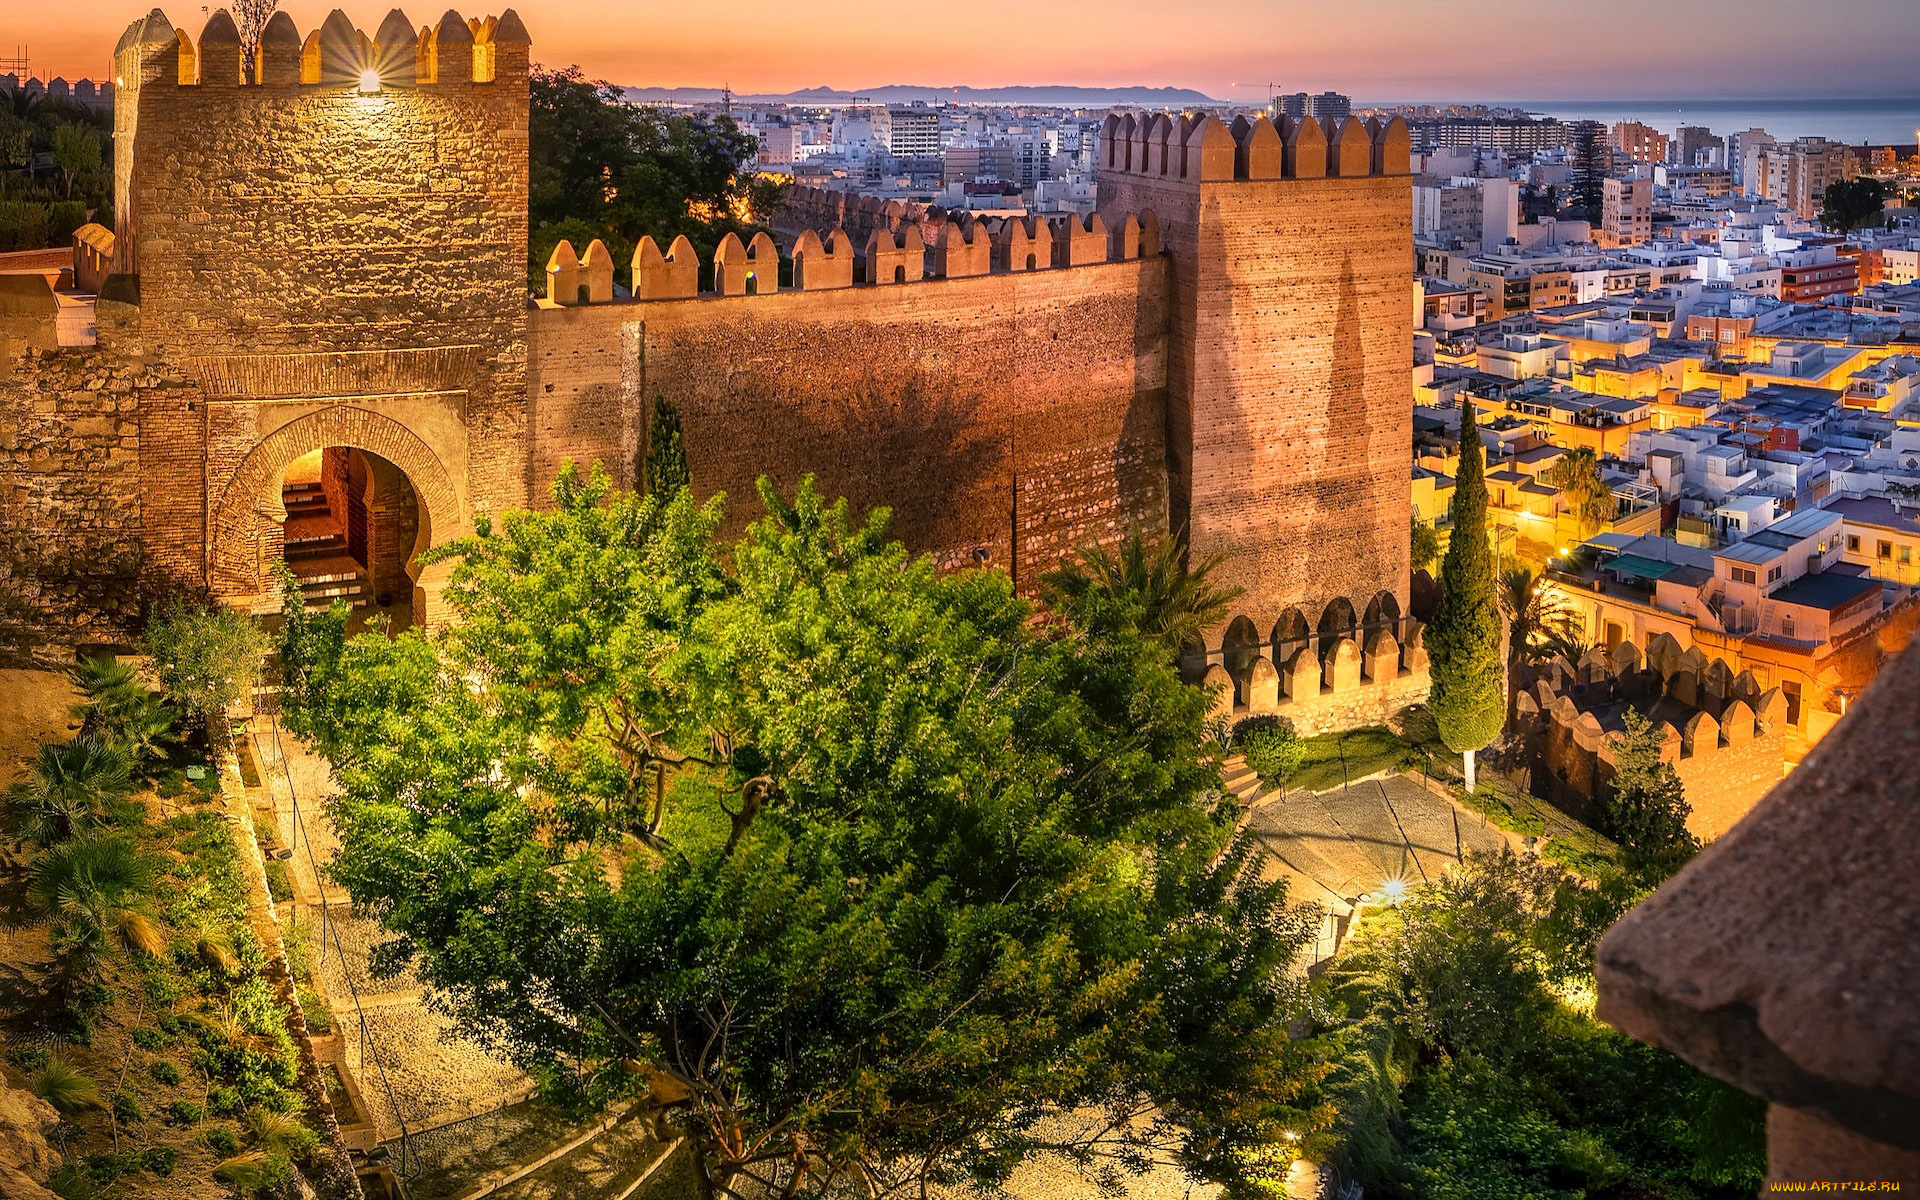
[1723, 732]
[455, 50]
[912, 250]
[1200, 148]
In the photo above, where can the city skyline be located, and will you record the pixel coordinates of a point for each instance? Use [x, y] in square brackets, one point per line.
[1712, 50]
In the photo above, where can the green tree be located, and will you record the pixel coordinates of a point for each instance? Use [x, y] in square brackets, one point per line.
[118, 707]
[76, 150]
[1539, 623]
[73, 787]
[1463, 641]
[1425, 545]
[1145, 586]
[1577, 474]
[207, 658]
[1849, 204]
[1589, 160]
[1645, 806]
[667, 469]
[844, 863]
[602, 167]
[98, 891]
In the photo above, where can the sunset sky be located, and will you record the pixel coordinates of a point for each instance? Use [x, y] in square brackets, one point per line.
[1377, 50]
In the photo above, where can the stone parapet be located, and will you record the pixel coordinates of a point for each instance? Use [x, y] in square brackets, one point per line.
[1783, 961]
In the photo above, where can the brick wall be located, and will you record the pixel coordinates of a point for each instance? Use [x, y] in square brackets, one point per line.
[1003, 418]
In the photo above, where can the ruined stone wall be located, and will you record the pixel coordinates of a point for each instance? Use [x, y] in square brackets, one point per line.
[70, 499]
[1004, 418]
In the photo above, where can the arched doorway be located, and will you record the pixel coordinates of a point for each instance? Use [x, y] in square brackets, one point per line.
[353, 530]
[248, 531]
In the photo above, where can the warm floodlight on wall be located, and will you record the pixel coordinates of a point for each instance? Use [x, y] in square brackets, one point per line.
[369, 81]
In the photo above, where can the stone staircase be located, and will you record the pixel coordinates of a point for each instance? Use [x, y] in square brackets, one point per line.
[316, 549]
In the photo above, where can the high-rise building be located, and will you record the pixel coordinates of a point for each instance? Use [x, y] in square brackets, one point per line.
[1641, 143]
[1626, 213]
[1695, 146]
[1330, 104]
[1292, 104]
[1796, 174]
[1742, 149]
[913, 132]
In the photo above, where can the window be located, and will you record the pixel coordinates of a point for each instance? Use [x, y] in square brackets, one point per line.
[1853, 544]
[1906, 554]
[1885, 550]
[1773, 575]
[1743, 575]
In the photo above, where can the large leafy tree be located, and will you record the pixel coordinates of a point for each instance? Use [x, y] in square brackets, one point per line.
[845, 865]
[1539, 623]
[604, 168]
[1463, 641]
[1848, 204]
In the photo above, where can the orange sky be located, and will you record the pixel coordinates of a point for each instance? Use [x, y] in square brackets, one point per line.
[1372, 49]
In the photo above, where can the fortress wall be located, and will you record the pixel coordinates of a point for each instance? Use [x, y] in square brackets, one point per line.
[70, 511]
[1003, 418]
[1290, 366]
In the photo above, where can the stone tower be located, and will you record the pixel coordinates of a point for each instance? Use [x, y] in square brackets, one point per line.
[331, 248]
[1289, 403]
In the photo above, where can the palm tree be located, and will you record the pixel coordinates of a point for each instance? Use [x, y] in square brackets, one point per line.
[72, 788]
[118, 705]
[96, 890]
[1539, 624]
[1142, 587]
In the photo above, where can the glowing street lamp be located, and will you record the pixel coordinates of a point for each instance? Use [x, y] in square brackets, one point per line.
[1395, 890]
[369, 81]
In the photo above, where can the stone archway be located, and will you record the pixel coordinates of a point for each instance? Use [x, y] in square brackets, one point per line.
[243, 534]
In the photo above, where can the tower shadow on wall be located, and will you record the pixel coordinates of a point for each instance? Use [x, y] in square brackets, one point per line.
[1338, 487]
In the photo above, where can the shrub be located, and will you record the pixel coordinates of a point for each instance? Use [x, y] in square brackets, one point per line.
[222, 1140]
[165, 1072]
[148, 1038]
[66, 1089]
[223, 1101]
[279, 883]
[126, 1107]
[1271, 745]
[27, 1058]
[185, 1112]
[207, 658]
[159, 1159]
[318, 1017]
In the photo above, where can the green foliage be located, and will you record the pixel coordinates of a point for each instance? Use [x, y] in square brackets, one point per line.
[164, 1072]
[98, 891]
[314, 1010]
[1539, 623]
[924, 868]
[1850, 204]
[117, 707]
[74, 788]
[1425, 545]
[159, 1160]
[1144, 589]
[1461, 1070]
[1577, 474]
[1645, 806]
[279, 882]
[1463, 641]
[222, 1140]
[666, 451]
[70, 1092]
[1330, 760]
[76, 150]
[1271, 745]
[604, 168]
[126, 1107]
[207, 658]
[185, 1112]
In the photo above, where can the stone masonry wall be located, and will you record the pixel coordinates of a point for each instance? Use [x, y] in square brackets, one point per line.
[1003, 418]
[70, 513]
[1289, 361]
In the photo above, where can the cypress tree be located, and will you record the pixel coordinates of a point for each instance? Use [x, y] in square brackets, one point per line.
[1463, 642]
[666, 451]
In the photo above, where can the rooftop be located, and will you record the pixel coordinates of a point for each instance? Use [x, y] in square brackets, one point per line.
[1827, 590]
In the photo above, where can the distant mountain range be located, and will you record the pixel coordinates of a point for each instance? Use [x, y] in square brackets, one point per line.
[1057, 95]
